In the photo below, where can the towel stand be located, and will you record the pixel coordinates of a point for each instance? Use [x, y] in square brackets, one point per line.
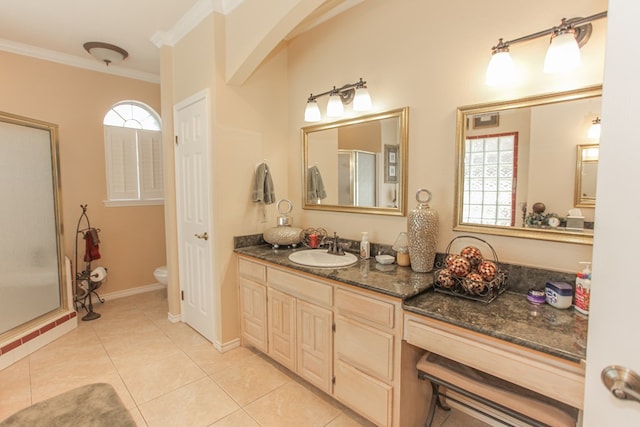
[82, 295]
[510, 399]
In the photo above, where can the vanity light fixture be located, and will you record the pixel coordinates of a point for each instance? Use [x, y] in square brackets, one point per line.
[562, 55]
[339, 97]
[105, 52]
[594, 130]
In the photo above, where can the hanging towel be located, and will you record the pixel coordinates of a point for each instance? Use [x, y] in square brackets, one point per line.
[92, 252]
[263, 190]
[315, 186]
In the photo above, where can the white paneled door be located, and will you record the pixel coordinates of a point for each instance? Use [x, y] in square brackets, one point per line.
[193, 213]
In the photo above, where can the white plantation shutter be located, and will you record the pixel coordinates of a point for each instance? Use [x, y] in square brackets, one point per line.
[150, 164]
[122, 163]
[134, 164]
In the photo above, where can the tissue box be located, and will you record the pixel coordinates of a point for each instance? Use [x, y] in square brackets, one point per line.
[575, 222]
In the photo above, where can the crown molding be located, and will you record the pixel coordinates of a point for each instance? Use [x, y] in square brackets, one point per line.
[75, 61]
[191, 19]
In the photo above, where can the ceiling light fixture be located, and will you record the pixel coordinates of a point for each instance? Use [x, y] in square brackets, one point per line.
[105, 52]
[562, 55]
[339, 97]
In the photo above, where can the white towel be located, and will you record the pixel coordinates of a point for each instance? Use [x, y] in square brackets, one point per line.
[263, 190]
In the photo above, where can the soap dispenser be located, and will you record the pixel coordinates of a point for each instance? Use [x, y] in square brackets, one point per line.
[583, 289]
[365, 248]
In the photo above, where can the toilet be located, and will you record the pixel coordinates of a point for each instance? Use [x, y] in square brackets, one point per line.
[161, 275]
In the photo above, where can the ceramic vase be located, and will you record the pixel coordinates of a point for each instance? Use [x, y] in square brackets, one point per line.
[422, 228]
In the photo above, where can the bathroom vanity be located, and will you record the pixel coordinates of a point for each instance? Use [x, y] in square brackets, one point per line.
[357, 332]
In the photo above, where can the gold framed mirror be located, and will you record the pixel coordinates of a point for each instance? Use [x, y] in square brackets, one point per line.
[586, 175]
[516, 162]
[357, 165]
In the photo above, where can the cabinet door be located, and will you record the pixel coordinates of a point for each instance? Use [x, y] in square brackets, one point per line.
[253, 306]
[282, 328]
[314, 329]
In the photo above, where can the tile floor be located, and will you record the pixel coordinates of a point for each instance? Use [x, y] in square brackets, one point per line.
[168, 375]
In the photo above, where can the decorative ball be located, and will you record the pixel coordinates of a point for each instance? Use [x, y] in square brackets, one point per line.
[449, 259]
[488, 270]
[460, 267]
[472, 254]
[538, 207]
[474, 284]
[445, 279]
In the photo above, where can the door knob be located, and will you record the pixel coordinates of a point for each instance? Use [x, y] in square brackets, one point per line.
[622, 382]
[204, 236]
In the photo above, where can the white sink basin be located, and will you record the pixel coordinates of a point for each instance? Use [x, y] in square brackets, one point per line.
[320, 258]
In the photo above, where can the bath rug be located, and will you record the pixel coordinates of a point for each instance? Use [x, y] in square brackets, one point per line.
[92, 405]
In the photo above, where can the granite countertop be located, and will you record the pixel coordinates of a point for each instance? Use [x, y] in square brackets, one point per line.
[561, 333]
[399, 282]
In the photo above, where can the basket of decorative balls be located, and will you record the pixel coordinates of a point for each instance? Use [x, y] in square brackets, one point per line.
[468, 273]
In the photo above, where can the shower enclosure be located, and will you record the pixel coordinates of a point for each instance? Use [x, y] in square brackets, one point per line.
[32, 273]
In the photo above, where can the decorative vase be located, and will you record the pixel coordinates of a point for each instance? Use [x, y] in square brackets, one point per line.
[284, 234]
[422, 228]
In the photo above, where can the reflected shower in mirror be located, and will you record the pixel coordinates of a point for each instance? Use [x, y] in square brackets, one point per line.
[357, 165]
[517, 173]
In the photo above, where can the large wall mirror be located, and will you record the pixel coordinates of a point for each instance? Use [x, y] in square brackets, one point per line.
[526, 168]
[357, 165]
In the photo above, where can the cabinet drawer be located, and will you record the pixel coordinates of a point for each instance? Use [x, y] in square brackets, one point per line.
[364, 347]
[354, 305]
[367, 396]
[301, 287]
[252, 270]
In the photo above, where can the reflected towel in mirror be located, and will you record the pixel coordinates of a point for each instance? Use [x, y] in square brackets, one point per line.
[315, 186]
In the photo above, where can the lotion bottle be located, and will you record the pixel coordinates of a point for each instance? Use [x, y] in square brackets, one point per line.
[583, 289]
[364, 246]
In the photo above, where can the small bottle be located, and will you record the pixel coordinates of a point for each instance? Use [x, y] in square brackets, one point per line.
[364, 246]
[583, 289]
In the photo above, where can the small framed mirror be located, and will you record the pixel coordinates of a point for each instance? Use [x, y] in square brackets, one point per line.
[515, 167]
[357, 165]
[586, 175]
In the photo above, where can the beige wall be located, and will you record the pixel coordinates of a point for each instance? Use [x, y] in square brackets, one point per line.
[432, 57]
[249, 125]
[133, 238]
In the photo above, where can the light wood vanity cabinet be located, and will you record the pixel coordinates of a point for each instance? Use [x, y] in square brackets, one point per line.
[253, 304]
[365, 353]
[345, 340]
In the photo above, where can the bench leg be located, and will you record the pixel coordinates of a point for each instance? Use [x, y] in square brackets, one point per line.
[435, 401]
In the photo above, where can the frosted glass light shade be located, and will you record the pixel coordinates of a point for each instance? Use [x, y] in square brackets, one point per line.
[334, 106]
[594, 130]
[312, 112]
[563, 54]
[500, 71]
[362, 100]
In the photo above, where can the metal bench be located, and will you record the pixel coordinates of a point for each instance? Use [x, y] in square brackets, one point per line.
[513, 400]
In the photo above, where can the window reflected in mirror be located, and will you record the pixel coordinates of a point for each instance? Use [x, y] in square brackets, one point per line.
[517, 169]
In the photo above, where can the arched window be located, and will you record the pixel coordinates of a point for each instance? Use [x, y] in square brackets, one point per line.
[133, 147]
